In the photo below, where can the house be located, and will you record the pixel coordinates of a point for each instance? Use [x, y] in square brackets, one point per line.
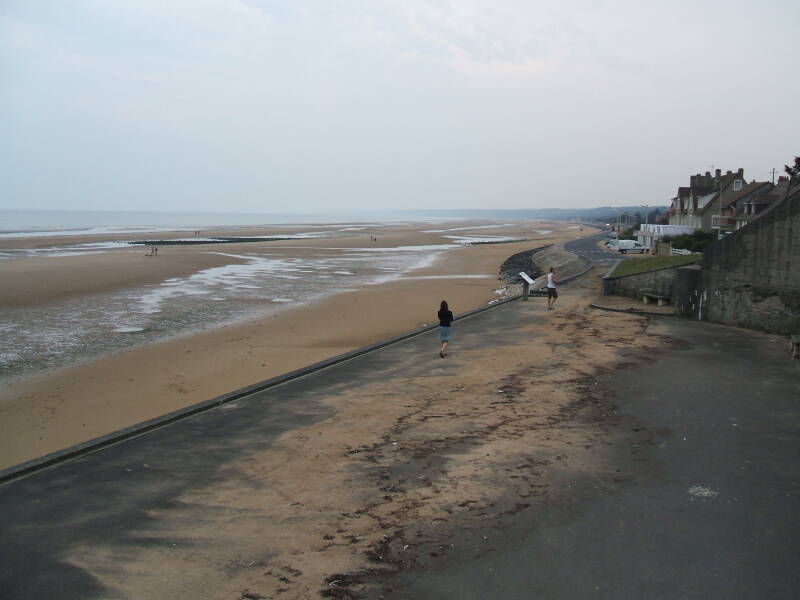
[649, 233]
[689, 201]
[678, 204]
[694, 206]
[733, 203]
[728, 184]
[755, 206]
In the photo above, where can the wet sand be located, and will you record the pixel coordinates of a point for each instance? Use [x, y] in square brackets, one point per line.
[57, 409]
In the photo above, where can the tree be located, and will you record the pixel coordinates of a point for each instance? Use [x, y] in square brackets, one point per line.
[694, 242]
[794, 172]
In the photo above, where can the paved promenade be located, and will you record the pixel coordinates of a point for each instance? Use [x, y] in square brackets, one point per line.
[699, 497]
[709, 505]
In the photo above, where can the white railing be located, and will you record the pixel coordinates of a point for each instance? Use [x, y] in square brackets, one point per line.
[681, 251]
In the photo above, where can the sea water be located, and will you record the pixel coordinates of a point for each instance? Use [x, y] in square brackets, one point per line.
[254, 284]
[26, 223]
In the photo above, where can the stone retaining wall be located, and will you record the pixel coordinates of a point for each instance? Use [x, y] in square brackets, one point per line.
[686, 294]
[521, 261]
[752, 277]
[658, 282]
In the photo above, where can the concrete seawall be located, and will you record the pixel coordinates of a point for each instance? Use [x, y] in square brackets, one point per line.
[567, 265]
[752, 277]
[537, 263]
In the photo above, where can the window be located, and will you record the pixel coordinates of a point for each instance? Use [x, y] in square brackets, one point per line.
[737, 185]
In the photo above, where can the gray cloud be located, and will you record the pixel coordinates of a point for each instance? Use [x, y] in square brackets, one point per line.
[270, 106]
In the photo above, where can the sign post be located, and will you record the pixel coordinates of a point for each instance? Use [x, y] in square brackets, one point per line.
[526, 284]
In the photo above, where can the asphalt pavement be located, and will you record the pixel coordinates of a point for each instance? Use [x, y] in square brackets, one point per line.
[588, 248]
[702, 502]
[103, 499]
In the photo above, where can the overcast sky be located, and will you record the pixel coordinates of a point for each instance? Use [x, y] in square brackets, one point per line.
[287, 106]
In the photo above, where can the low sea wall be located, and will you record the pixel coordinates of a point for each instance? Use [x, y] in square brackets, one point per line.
[566, 264]
[537, 262]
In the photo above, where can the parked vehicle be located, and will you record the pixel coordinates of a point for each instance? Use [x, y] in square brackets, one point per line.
[625, 246]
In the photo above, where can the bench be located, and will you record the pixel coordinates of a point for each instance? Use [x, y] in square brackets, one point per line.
[794, 345]
[649, 297]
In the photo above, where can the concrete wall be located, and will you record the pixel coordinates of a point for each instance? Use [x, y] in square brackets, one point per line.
[752, 277]
[658, 282]
[566, 264]
[687, 297]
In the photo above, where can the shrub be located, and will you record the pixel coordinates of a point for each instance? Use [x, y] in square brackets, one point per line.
[694, 242]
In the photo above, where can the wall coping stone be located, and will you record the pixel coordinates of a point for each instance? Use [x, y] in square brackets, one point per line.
[610, 274]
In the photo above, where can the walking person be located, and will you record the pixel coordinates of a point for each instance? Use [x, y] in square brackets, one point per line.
[445, 320]
[552, 292]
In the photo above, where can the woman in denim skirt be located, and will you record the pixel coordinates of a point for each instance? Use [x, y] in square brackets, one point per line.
[445, 320]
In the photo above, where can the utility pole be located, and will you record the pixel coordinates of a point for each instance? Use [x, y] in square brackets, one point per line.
[773, 175]
[719, 210]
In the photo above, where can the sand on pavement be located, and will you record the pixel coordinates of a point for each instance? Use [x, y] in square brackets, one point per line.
[402, 467]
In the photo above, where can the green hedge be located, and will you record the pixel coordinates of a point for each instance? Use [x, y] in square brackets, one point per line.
[694, 242]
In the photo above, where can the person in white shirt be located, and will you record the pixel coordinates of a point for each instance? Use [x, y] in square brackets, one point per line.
[552, 292]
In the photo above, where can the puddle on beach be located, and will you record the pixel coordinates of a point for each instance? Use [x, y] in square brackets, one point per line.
[76, 330]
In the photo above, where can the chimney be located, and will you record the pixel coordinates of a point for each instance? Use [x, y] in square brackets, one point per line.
[740, 172]
[728, 173]
[718, 172]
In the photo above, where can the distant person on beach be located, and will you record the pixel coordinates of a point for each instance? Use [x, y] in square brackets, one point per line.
[445, 320]
[552, 292]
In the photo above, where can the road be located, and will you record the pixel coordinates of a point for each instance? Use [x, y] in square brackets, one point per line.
[588, 248]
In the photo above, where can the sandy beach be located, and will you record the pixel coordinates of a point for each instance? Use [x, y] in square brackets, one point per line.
[44, 412]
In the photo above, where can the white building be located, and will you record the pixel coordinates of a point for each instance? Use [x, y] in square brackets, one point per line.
[649, 233]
